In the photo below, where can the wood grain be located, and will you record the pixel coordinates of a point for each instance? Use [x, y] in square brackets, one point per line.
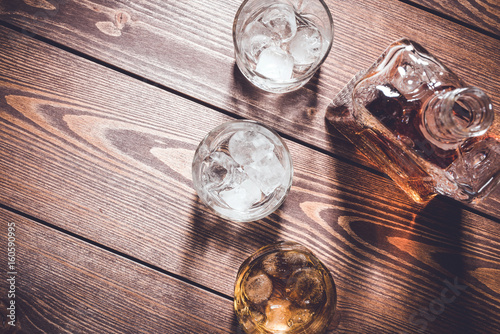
[187, 46]
[107, 157]
[176, 45]
[483, 14]
[64, 285]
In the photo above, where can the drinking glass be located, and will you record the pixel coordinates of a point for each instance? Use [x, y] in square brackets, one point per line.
[280, 44]
[242, 170]
[284, 288]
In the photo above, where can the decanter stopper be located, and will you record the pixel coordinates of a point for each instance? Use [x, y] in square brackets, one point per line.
[449, 118]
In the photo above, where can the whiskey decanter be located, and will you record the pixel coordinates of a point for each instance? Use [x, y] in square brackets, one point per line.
[421, 124]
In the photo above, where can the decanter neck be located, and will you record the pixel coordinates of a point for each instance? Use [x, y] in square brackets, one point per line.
[451, 117]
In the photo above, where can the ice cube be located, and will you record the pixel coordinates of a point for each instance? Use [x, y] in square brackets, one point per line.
[276, 64]
[410, 80]
[306, 287]
[256, 38]
[258, 288]
[220, 171]
[247, 147]
[282, 264]
[295, 260]
[242, 196]
[278, 315]
[267, 173]
[274, 265]
[281, 19]
[307, 45]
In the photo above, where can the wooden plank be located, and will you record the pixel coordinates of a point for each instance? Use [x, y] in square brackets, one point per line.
[64, 285]
[483, 14]
[108, 158]
[187, 46]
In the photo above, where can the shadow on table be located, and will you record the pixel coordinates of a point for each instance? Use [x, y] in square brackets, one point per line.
[206, 227]
[440, 243]
[394, 237]
[216, 239]
[295, 108]
[425, 249]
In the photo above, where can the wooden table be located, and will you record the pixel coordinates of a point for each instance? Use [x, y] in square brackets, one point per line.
[102, 105]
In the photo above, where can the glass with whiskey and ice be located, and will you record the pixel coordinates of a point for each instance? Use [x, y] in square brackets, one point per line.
[283, 288]
[242, 170]
[279, 44]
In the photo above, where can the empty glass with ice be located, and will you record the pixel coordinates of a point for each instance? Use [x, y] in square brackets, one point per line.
[279, 44]
[242, 170]
[283, 288]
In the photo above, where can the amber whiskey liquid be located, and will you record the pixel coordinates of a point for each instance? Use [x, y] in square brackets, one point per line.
[284, 289]
[403, 118]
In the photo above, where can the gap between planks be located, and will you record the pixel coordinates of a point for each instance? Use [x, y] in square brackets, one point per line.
[451, 18]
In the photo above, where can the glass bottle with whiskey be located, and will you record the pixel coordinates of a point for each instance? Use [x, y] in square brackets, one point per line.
[421, 124]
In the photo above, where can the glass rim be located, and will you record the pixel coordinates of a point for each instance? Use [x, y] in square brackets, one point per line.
[221, 127]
